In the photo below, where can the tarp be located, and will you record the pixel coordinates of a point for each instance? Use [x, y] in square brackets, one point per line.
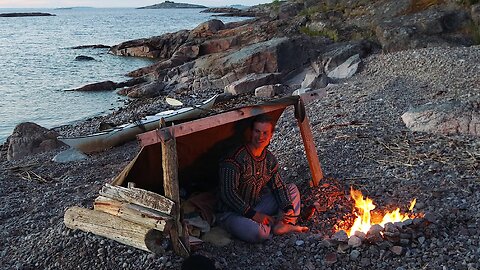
[200, 145]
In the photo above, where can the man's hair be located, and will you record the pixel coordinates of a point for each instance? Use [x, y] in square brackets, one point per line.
[263, 118]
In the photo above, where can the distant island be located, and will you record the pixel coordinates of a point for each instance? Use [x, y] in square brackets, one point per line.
[29, 14]
[171, 4]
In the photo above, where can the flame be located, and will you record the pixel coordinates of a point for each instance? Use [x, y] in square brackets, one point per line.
[364, 206]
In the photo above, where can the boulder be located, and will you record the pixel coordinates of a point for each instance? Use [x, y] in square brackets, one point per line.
[337, 53]
[206, 29]
[345, 70]
[162, 47]
[271, 90]
[29, 139]
[249, 83]
[452, 117]
[145, 90]
[315, 81]
[100, 86]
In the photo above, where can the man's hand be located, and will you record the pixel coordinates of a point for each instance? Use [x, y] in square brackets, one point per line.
[263, 218]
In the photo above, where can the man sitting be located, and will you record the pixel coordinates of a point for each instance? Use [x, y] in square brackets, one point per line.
[253, 199]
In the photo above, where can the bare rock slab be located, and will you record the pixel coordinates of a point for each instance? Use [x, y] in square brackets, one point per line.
[453, 117]
[249, 83]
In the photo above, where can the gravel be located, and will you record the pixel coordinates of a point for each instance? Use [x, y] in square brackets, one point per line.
[361, 141]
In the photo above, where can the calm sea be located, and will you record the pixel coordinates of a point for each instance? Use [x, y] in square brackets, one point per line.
[38, 64]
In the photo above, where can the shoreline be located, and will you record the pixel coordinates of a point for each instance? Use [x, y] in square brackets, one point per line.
[349, 154]
[361, 140]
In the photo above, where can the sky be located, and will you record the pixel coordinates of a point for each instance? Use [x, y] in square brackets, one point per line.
[117, 3]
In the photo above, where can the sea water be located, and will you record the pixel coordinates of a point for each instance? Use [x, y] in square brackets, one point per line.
[37, 62]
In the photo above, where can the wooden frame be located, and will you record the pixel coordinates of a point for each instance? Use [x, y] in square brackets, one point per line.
[139, 217]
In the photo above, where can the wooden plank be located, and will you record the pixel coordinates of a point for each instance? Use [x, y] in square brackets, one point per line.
[170, 185]
[309, 144]
[154, 136]
[114, 228]
[138, 196]
[131, 212]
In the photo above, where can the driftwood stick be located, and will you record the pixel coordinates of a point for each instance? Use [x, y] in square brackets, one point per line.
[170, 185]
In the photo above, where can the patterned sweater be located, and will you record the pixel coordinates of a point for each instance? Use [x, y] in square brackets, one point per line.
[242, 178]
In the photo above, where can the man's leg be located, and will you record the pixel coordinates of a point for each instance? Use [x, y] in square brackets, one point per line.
[244, 228]
[287, 224]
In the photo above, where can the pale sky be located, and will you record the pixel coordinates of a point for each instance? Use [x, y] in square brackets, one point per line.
[117, 3]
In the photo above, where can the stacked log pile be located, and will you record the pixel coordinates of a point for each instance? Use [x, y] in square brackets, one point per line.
[132, 216]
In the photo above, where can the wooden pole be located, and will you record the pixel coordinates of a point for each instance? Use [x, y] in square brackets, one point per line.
[308, 143]
[170, 185]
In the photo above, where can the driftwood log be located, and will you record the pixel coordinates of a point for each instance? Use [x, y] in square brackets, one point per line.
[115, 228]
[138, 196]
[132, 212]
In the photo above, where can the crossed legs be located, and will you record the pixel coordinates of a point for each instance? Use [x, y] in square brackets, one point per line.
[250, 231]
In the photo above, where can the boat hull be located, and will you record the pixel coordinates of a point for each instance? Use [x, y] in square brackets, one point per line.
[128, 132]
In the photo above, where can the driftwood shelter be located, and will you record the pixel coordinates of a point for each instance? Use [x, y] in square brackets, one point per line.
[142, 204]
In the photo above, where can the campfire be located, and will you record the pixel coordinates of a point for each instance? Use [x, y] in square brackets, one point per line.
[355, 221]
[365, 218]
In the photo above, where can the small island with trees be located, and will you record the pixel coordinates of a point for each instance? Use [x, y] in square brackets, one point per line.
[171, 4]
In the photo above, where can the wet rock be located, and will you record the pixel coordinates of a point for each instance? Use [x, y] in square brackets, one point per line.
[99, 86]
[84, 58]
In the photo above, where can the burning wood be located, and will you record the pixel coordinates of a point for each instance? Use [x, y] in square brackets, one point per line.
[364, 220]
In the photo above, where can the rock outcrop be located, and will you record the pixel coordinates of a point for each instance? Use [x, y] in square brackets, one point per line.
[27, 14]
[291, 38]
[161, 47]
[100, 86]
[453, 117]
[30, 138]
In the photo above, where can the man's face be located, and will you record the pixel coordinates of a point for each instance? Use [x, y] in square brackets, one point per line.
[261, 135]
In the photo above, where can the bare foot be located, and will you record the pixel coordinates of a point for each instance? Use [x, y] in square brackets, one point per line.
[283, 228]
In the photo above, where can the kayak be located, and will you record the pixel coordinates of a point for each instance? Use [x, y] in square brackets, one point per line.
[128, 132]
